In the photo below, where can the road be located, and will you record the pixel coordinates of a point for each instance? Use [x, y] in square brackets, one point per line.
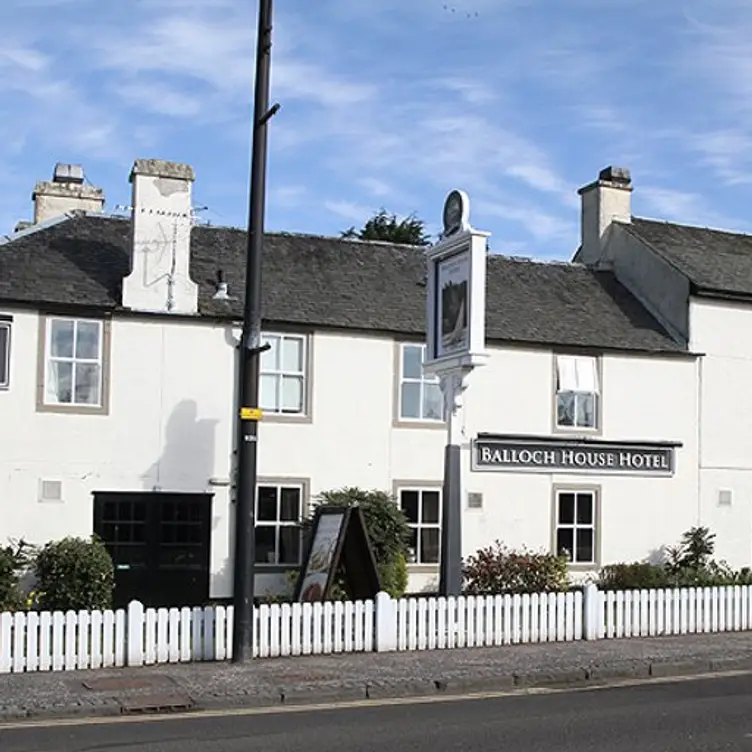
[687, 716]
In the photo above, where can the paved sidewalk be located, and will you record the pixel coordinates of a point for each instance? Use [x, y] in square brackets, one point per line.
[275, 681]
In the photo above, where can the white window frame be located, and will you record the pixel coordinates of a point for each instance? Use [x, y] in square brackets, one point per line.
[48, 359]
[280, 374]
[418, 526]
[578, 375]
[574, 526]
[425, 378]
[7, 325]
[278, 524]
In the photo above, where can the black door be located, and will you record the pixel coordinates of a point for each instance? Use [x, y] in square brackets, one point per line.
[159, 545]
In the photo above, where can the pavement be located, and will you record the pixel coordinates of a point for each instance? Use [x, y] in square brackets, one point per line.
[691, 716]
[320, 679]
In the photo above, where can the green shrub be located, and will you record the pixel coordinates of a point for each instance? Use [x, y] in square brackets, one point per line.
[388, 531]
[14, 559]
[498, 570]
[74, 574]
[688, 564]
[394, 577]
[633, 576]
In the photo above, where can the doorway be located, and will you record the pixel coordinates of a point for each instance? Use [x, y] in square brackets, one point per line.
[159, 544]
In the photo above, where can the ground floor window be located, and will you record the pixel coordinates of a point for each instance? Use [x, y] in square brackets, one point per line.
[575, 525]
[278, 514]
[422, 507]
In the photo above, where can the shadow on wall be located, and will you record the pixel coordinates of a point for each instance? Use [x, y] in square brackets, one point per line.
[187, 461]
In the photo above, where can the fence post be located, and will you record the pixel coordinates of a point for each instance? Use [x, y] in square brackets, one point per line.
[385, 632]
[134, 630]
[592, 616]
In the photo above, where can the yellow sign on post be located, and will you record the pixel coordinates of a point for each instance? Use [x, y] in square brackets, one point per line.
[251, 413]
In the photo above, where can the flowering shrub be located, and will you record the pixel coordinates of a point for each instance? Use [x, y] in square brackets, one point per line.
[498, 570]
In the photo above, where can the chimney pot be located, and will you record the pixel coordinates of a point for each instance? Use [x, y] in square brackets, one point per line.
[68, 173]
[615, 175]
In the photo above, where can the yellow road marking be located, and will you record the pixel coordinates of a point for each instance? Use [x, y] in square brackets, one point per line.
[364, 703]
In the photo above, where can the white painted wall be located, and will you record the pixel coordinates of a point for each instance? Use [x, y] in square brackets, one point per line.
[170, 427]
[723, 332]
[639, 515]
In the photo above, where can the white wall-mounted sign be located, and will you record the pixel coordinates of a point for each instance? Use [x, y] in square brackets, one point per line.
[456, 305]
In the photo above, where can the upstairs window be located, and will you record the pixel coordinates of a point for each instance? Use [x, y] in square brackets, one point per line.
[577, 392]
[420, 397]
[283, 374]
[5, 326]
[73, 362]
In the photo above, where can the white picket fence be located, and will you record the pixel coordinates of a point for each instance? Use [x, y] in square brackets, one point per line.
[137, 636]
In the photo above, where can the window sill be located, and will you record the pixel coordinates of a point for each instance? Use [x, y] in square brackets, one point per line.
[577, 431]
[269, 417]
[594, 566]
[424, 424]
[61, 408]
[423, 568]
[275, 568]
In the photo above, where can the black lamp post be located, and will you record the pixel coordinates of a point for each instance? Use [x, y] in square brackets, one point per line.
[248, 414]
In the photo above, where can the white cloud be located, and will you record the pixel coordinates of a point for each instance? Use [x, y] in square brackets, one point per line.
[288, 196]
[471, 90]
[349, 210]
[376, 187]
[541, 225]
[159, 98]
[685, 208]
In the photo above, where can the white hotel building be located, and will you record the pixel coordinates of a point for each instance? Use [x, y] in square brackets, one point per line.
[613, 414]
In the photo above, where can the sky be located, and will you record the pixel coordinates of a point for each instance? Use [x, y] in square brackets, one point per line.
[391, 103]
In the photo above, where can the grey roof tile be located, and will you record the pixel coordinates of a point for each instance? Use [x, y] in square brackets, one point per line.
[713, 260]
[330, 282]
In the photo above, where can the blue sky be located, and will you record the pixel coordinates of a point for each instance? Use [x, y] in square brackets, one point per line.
[391, 103]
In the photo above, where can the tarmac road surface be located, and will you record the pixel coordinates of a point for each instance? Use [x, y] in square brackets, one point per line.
[686, 716]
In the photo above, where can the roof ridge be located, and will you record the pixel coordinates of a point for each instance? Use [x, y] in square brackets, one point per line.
[705, 228]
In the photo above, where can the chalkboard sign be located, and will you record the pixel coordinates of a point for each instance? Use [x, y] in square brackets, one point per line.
[338, 538]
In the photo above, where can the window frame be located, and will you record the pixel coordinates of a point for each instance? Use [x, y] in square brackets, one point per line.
[595, 492]
[6, 322]
[422, 487]
[303, 485]
[399, 421]
[306, 415]
[558, 428]
[79, 408]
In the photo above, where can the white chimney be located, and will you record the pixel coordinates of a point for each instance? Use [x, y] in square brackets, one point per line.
[64, 193]
[161, 243]
[607, 199]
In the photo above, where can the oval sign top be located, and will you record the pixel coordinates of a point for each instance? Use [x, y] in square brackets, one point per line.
[456, 212]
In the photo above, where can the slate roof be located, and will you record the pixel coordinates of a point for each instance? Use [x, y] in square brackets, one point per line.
[714, 261]
[330, 282]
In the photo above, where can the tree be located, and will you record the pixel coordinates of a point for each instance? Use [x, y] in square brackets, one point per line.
[386, 227]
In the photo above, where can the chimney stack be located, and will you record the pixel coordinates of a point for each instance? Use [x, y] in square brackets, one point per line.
[161, 239]
[66, 192]
[604, 201]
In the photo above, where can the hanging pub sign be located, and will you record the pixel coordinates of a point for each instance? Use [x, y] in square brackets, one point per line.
[456, 300]
[338, 537]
